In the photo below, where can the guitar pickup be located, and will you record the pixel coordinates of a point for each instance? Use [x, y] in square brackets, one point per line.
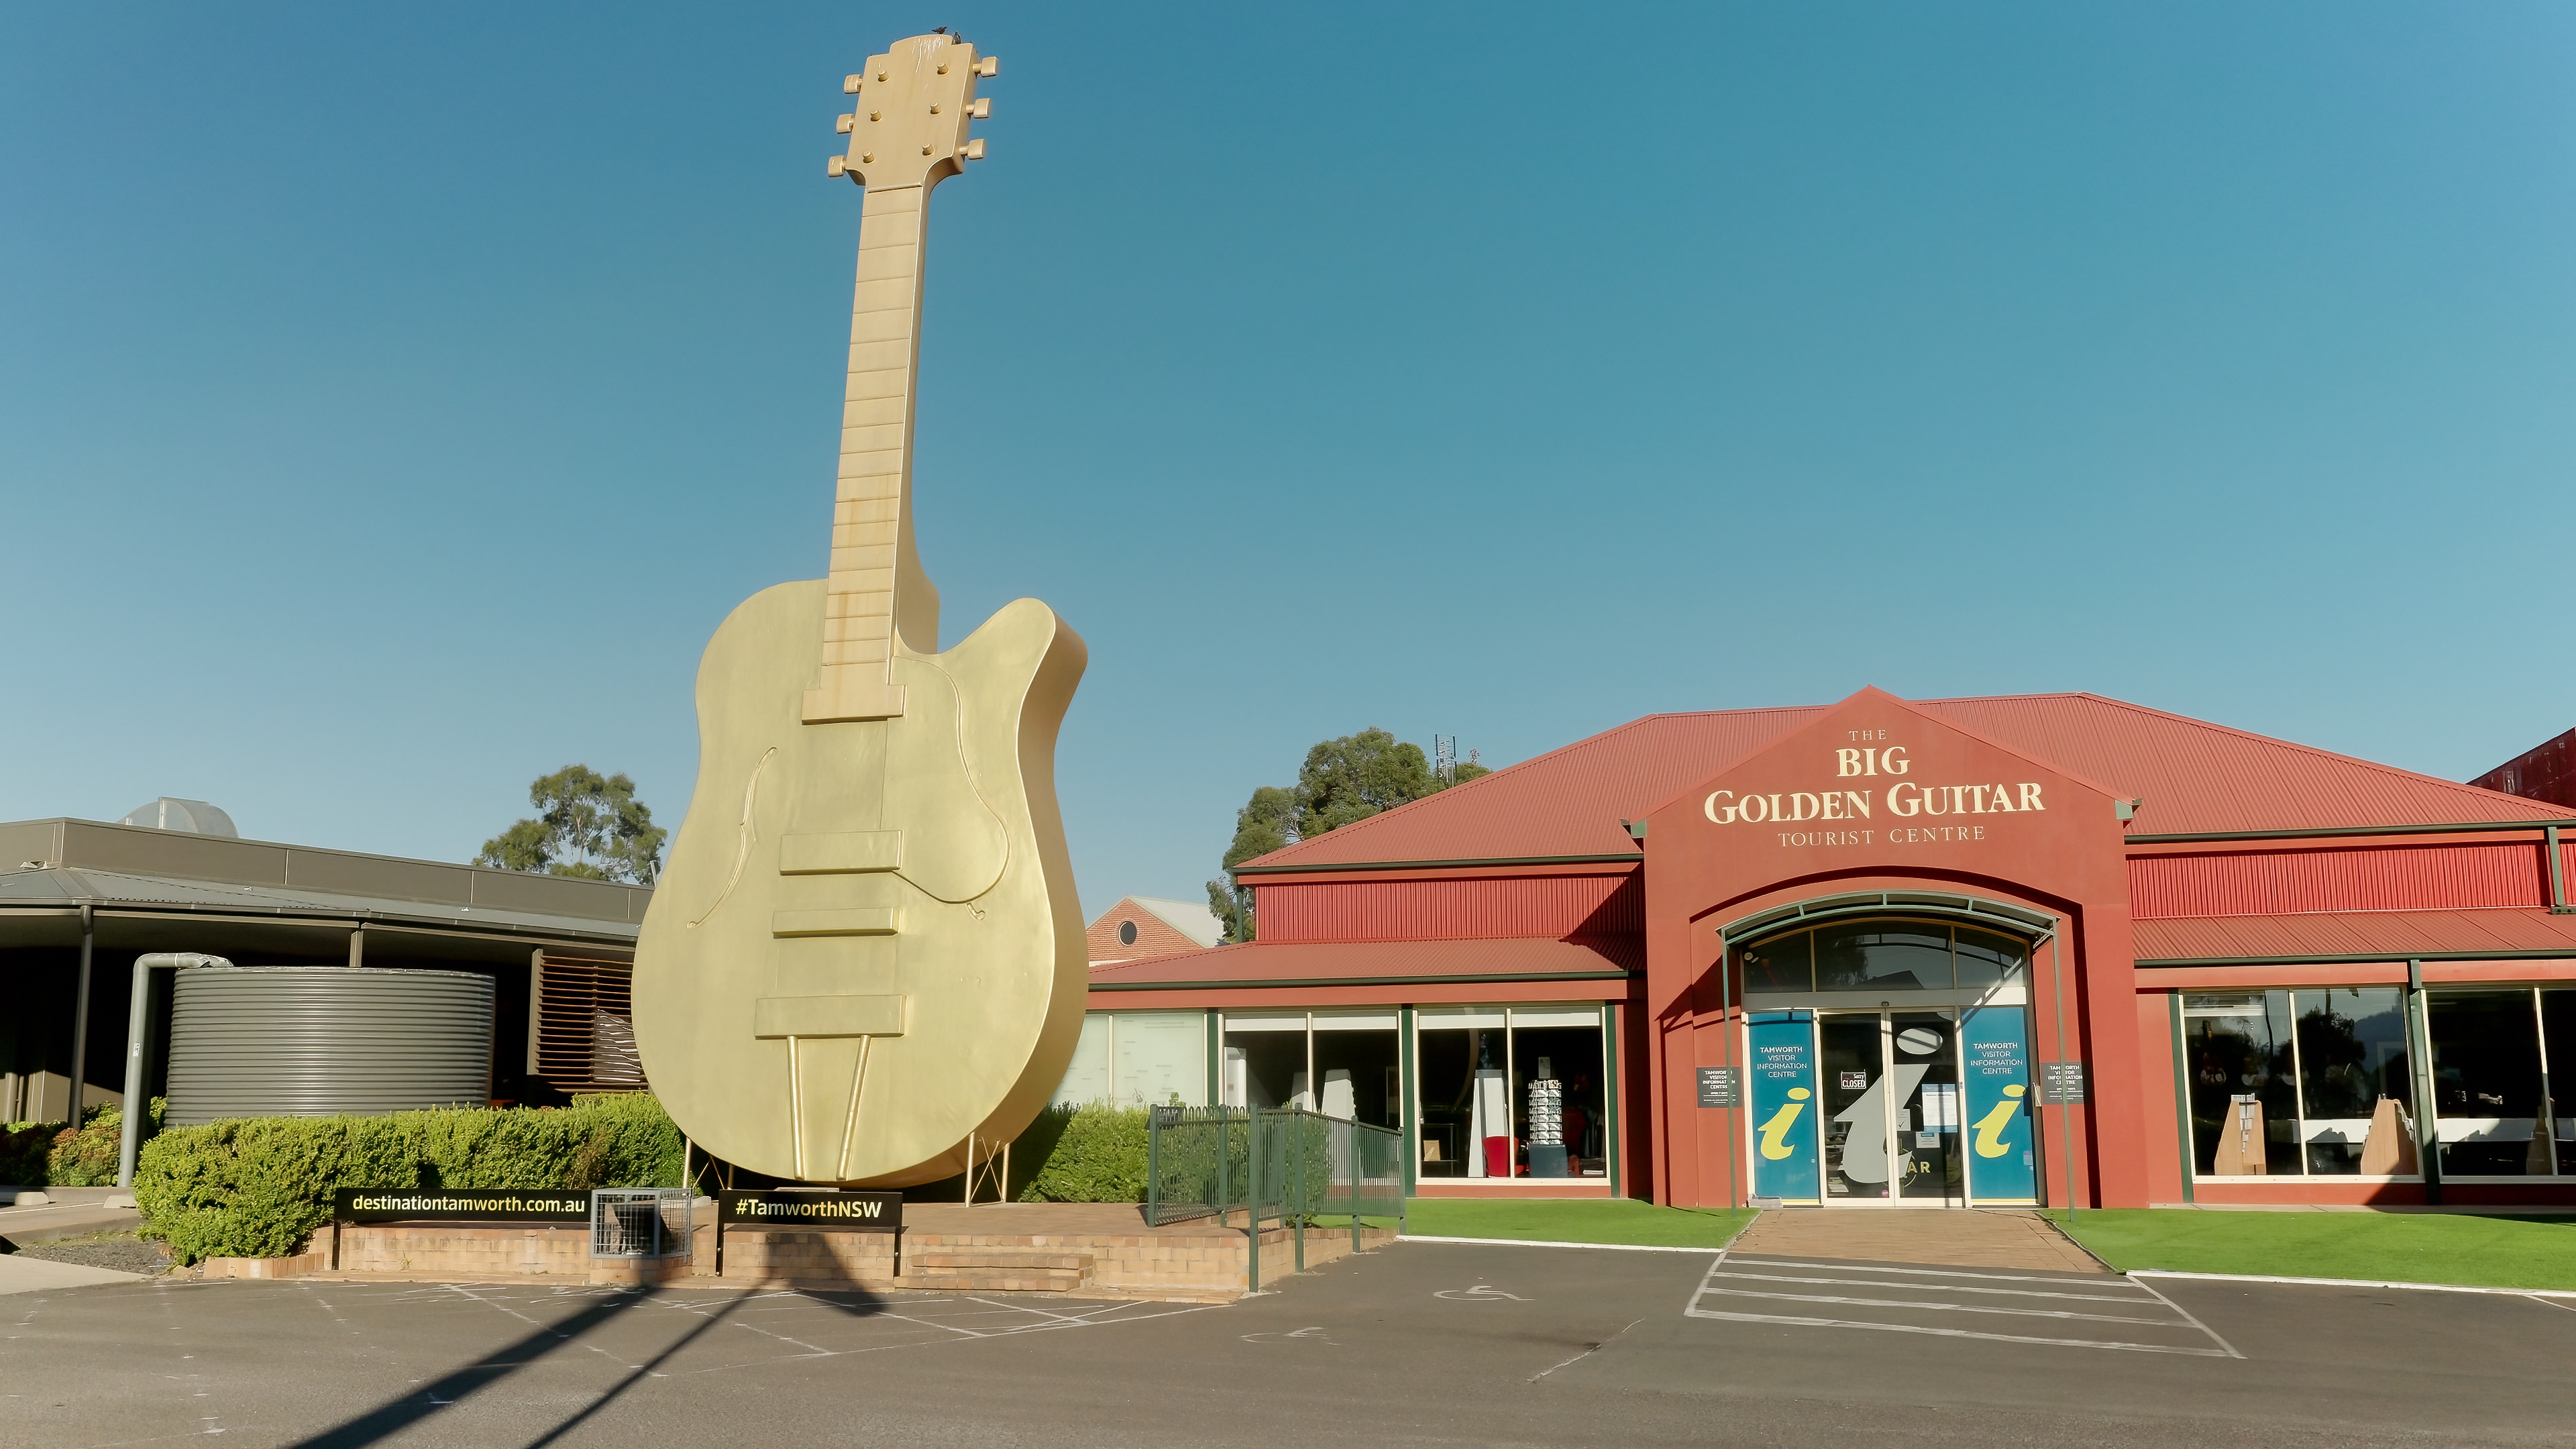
[866, 921]
[819, 1016]
[841, 852]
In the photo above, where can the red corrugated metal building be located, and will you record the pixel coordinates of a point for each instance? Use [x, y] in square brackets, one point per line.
[1891, 952]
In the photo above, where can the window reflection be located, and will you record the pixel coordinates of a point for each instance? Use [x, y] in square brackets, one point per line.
[1986, 959]
[2486, 1083]
[2558, 1025]
[1882, 956]
[2244, 1083]
[2352, 1058]
[1517, 1092]
[1780, 964]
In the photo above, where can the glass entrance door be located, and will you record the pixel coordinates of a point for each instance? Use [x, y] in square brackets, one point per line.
[1853, 1061]
[1892, 1108]
[1923, 1047]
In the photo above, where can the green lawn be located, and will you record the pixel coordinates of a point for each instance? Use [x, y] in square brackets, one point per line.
[2486, 1252]
[1573, 1220]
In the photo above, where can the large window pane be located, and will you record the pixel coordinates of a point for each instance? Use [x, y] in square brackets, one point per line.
[2352, 1057]
[1159, 1059]
[1265, 1062]
[2486, 1082]
[1358, 1069]
[1466, 1110]
[1557, 1099]
[1780, 964]
[2244, 1093]
[1986, 959]
[1883, 956]
[2558, 1035]
[1086, 1081]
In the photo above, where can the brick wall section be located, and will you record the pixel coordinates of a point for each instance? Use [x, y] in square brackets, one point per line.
[1206, 1266]
[1183, 1266]
[1153, 937]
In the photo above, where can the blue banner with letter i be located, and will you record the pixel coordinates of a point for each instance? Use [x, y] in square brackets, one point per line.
[1781, 1069]
[1998, 1132]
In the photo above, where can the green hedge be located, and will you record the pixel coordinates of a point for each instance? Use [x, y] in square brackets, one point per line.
[1081, 1154]
[257, 1187]
[50, 1154]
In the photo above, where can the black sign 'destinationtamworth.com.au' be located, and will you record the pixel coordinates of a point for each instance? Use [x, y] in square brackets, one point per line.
[459, 1205]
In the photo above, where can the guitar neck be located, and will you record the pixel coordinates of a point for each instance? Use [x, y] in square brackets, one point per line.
[877, 590]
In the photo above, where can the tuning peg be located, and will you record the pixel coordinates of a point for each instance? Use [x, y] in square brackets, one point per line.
[850, 84]
[974, 150]
[982, 109]
[989, 66]
[838, 165]
[843, 124]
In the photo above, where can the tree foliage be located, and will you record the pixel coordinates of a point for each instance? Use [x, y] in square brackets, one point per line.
[1343, 780]
[588, 825]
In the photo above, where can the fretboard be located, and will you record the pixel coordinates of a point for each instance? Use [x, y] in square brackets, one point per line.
[877, 590]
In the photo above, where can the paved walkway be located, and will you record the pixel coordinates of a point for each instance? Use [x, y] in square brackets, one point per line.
[22, 1274]
[1953, 1237]
[29, 1226]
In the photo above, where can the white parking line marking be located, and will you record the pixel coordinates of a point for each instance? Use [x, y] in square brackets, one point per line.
[1939, 1287]
[2195, 1322]
[2105, 1280]
[1710, 1288]
[1962, 1333]
[2061, 1313]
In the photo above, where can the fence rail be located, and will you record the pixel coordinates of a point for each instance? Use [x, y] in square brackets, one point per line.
[1286, 1165]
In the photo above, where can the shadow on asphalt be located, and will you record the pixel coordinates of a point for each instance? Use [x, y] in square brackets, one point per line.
[395, 1415]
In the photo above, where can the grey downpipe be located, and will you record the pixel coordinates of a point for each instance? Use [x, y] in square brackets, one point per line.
[138, 1017]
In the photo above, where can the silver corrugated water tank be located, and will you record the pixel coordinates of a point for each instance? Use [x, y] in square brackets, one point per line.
[311, 1041]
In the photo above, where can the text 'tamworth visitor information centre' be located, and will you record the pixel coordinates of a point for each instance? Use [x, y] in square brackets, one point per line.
[1889, 952]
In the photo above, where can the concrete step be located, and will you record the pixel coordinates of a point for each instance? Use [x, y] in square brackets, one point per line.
[996, 1280]
[997, 1258]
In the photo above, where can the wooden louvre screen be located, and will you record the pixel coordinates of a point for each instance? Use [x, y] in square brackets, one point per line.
[586, 1025]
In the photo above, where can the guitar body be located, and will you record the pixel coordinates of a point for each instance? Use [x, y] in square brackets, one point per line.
[866, 945]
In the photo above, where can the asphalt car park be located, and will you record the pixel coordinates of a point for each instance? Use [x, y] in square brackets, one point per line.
[1417, 1343]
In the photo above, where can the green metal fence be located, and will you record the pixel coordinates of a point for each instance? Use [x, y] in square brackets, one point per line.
[1285, 1165]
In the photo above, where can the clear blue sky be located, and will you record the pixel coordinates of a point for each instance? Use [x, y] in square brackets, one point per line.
[392, 399]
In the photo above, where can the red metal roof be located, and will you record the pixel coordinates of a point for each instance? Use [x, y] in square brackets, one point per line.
[2192, 775]
[2353, 933]
[1264, 963]
[1566, 802]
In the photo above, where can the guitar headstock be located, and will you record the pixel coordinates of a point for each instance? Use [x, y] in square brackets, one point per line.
[913, 103]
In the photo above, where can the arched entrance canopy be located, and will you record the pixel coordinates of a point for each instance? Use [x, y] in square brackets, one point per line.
[2032, 925]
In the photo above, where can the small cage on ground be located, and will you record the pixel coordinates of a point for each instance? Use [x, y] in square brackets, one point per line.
[640, 1222]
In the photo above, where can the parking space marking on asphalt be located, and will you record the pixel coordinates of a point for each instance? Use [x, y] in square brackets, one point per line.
[1478, 1294]
[1933, 1293]
[984, 1319]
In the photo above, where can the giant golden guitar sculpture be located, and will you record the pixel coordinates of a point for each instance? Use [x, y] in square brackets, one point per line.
[866, 946]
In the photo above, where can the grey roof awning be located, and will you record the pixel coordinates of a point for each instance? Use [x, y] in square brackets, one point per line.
[55, 892]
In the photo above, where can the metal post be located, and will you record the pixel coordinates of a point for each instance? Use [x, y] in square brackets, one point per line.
[1153, 1167]
[1353, 1158]
[1299, 1152]
[1224, 1178]
[2065, 1111]
[80, 1019]
[2428, 1111]
[2182, 1095]
[1252, 1195]
[2557, 869]
[1726, 1046]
